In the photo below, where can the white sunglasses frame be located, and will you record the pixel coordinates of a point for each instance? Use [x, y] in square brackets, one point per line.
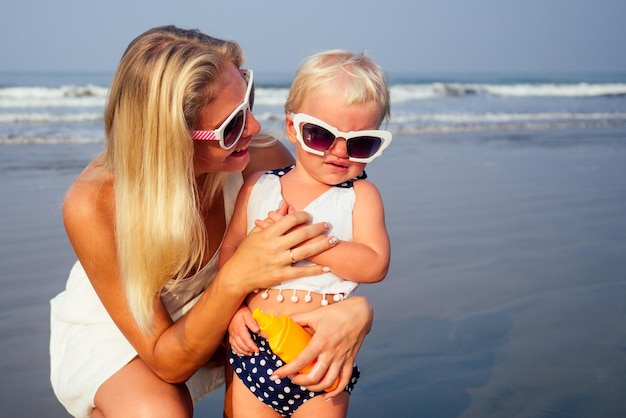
[299, 119]
[218, 134]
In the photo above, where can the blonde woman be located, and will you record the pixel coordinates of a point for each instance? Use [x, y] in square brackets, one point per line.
[138, 330]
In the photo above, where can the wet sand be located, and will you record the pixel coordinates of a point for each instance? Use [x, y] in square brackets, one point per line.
[506, 295]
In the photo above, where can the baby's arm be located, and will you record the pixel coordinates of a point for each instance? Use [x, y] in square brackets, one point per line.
[238, 336]
[366, 259]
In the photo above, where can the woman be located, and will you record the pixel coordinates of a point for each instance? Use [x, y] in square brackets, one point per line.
[139, 328]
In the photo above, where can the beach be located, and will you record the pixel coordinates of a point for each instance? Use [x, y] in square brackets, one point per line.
[507, 289]
[506, 294]
[34, 260]
[505, 203]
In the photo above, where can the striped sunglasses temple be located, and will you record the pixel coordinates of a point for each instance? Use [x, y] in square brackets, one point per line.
[203, 135]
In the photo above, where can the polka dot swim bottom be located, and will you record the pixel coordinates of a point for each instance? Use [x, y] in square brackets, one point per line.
[282, 394]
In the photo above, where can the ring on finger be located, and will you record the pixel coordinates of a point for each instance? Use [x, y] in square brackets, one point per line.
[293, 260]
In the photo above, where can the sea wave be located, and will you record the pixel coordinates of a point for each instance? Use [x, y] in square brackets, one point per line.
[558, 90]
[450, 118]
[424, 124]
[396, 120]
[24, 140]
[460, 122]
[95, 96]
[408, 92]
[44, 117]
[74, 113]
[66, 96]
[507, 126]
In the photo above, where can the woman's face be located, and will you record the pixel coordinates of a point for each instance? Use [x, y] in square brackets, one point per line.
[208, 155]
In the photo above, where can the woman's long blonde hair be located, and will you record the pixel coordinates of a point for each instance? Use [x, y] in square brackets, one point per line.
[165, 78]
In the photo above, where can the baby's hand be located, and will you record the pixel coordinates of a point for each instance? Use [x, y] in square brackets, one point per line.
[274, 216]
[238, 332]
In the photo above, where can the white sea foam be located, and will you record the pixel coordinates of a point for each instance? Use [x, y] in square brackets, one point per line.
[67, 96]
[95, 96]
[44, 117]
[75, 112]
[407, 92]
[505, 117]
[557, 90]
[270, 96]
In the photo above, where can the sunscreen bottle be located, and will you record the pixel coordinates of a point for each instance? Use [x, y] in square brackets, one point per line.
[286, 338]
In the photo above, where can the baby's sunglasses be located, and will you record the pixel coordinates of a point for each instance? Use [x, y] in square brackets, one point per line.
[317, 137]
[229, 132]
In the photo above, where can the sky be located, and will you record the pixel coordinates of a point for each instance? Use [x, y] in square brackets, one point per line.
[403, 36]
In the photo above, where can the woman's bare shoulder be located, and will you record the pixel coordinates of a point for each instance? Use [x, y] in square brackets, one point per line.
[90, 198]
[269, 157]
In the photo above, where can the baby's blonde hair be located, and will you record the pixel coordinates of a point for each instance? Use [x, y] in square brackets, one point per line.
[355, 78]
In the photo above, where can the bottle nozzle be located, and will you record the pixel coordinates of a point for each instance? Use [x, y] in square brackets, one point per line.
[269, 324]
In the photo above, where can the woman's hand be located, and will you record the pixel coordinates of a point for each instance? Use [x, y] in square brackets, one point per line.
[265, 257]
[238, 332]
[339, 329]
[278, 214]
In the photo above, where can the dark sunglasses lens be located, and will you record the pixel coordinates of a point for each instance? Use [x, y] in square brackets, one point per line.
[317, 137]
[363, 146]
[233, 130]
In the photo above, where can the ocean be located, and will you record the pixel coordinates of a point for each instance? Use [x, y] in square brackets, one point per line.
[59, 107]
[505, 201]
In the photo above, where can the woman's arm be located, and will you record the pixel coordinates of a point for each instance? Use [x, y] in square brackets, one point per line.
[238, 227]
[262, 259]
[242, 322]
[262, 158]
[174, 351]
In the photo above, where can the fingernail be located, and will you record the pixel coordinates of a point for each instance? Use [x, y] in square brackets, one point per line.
[326, 225]
[273, 378]
[326, 269]
[333, 240]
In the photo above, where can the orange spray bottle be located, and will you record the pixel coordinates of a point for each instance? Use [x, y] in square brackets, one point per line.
[286, 338]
